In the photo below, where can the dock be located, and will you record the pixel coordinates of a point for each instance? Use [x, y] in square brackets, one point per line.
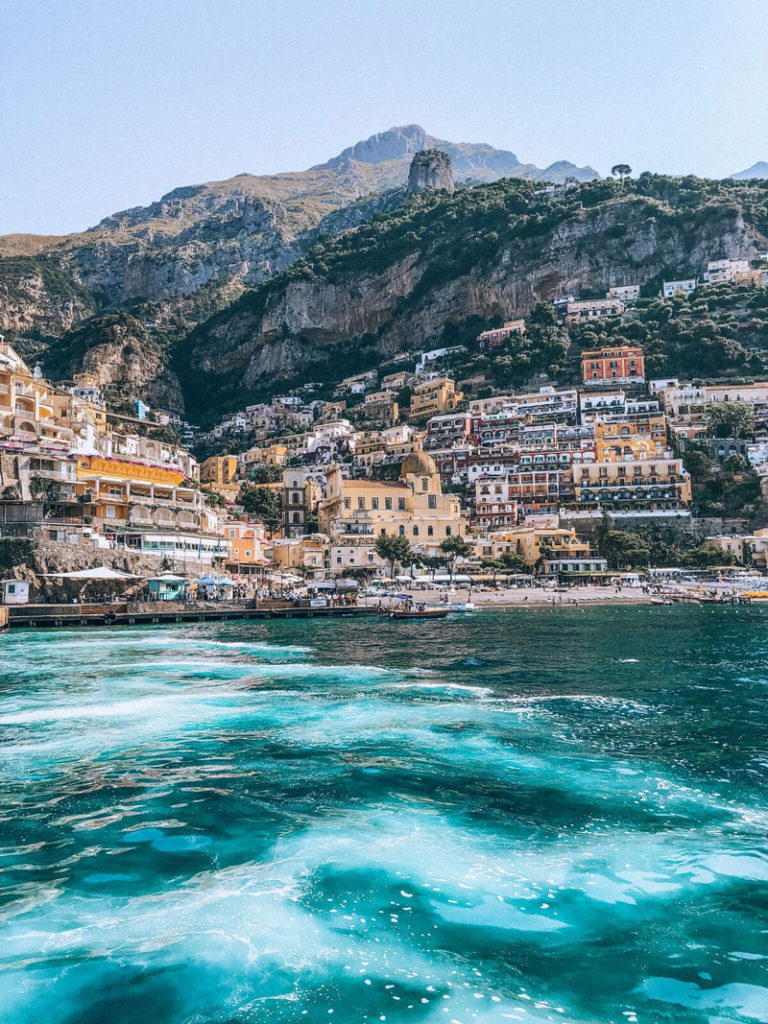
[39, 616]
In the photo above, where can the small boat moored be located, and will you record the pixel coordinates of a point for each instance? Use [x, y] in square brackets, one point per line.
[409, 610]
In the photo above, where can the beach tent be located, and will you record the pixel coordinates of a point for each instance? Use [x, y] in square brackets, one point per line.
[100, 573]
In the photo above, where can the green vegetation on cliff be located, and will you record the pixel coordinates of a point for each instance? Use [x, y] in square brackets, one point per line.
[523, 241]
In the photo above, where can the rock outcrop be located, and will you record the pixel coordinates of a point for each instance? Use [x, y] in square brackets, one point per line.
[430, 169]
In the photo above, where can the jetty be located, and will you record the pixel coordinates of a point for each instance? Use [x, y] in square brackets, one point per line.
[128, 613]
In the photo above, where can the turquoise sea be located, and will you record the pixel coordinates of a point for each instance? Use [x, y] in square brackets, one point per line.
[535, 815]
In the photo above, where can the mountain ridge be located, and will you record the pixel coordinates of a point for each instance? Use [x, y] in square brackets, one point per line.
[758, 170]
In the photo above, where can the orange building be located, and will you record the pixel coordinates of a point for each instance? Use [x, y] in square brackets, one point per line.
[246, 541]
[622, 365]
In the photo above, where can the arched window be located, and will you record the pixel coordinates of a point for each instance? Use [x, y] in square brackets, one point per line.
[401, 531]
[447, 531]
[430, 531]
[415, 531]
[297, 517]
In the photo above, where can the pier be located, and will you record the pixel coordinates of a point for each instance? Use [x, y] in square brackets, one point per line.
[38, 616]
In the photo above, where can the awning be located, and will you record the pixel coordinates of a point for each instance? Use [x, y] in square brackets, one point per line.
[100, 572]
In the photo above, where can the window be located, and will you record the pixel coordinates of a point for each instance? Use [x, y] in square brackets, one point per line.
[432, 501]
[297, 517]
[347, 503]
[401, 504]
[415, 531]
[388, 503]
[447, 531]
[374, 503]
[430, 531]
[424, 483]
[401, 530]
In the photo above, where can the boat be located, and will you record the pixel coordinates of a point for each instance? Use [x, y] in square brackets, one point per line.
[463, 606]
[419, 613]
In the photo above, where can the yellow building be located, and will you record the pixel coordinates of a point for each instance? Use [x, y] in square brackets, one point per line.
[381, 408]
[219, 469]
[219, 474]
[647, 484]
[617, 440]
[433, 397]
[312, 552]
[356, 512]
[119, 492]
[246, 543]
[545, 547]
[40, 419]
[272, 454]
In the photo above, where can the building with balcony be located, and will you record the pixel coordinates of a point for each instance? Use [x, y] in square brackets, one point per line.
[612, 366]
[685, 286]
[591, 309]
[447, 430]
[380, 409]
[657, 484]
[433, 397]
[494, 508]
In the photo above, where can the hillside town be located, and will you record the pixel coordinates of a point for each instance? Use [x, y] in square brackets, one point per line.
[556, 481]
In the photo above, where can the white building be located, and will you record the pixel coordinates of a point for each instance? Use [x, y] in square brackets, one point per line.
[720, 271]
[670, 288]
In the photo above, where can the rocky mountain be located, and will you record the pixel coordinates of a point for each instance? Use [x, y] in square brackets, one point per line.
[200, 245]
[218, 293]
[758, 170]
[473, 162]
[441, 262]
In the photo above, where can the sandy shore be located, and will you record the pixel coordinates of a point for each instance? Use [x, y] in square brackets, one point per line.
[531, 597]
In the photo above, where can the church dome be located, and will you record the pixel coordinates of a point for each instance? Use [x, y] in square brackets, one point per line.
[418, 464]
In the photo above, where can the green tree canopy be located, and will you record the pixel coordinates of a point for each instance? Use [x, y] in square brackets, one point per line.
[731, 419]
[624, 550]
[453, 548]
[263, 503]
[393, 548]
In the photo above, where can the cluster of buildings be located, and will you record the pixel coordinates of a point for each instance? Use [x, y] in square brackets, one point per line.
[404, 453]
[527, 474]
[725, 271]
[72, 472]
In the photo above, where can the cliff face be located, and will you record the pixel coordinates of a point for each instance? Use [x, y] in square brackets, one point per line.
[232, 233]
[122, 354]
[408, 302]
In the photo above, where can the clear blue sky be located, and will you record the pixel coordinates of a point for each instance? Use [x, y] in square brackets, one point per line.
[106, 104]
